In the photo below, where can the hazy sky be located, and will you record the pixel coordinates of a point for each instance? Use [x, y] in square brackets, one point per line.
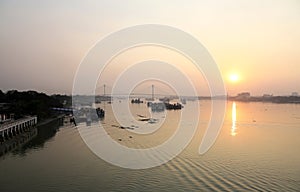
[43, 42]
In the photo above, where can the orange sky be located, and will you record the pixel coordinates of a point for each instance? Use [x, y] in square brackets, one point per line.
[42, 43]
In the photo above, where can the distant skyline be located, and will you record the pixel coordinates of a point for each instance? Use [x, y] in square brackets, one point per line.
[255, 43]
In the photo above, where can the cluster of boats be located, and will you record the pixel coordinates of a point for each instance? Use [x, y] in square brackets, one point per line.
[88, 115]
[158, 106]
[138, 101]
[173, 106]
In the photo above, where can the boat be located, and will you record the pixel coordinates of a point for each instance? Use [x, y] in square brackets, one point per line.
[100, 112]
[156, 106]
[137, 101]
[173, 106]
[144, 119]
[151, 121]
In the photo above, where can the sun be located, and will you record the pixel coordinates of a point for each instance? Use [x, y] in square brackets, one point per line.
[234, 78]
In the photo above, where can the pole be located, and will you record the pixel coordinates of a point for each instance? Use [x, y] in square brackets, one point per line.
[104, 90]
[152, 92]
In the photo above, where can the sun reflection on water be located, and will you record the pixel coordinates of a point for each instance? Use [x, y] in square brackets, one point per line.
[233, 117]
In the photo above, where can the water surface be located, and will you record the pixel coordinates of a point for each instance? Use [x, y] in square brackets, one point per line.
[257, 150]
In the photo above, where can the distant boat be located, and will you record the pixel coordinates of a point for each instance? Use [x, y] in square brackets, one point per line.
[151, 121]
[137, 101]
[144, 119]
[156, 106]
[100, 112]
[174, 106]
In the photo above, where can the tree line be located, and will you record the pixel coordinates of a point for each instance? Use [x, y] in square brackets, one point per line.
[22, 103]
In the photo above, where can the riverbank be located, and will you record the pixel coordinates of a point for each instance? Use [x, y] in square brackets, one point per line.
[263, 99]
[270, 99]
[44, 129]
[49, 120]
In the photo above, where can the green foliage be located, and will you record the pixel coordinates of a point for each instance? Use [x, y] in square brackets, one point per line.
[30, 103]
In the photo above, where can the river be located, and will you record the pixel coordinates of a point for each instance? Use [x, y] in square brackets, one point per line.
[257, 150]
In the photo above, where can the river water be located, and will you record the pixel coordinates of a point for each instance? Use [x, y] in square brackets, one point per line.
[257, 150]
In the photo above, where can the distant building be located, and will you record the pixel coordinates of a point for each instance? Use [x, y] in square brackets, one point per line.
[245, 96]
[267, 95]
[295, 94]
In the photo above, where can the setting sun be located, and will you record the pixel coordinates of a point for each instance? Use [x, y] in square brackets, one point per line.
[233, 77]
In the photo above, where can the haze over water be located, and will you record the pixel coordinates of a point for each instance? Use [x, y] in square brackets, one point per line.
[257, 150]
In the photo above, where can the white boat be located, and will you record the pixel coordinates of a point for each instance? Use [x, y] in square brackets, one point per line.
[157, 106]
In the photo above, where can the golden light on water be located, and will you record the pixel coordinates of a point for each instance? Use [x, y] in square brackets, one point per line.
[233, 117]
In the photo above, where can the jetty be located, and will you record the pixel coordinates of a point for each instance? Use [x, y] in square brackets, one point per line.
[14, 127]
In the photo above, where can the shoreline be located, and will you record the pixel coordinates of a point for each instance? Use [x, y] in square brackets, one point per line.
[25, 137]
[49, 120]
